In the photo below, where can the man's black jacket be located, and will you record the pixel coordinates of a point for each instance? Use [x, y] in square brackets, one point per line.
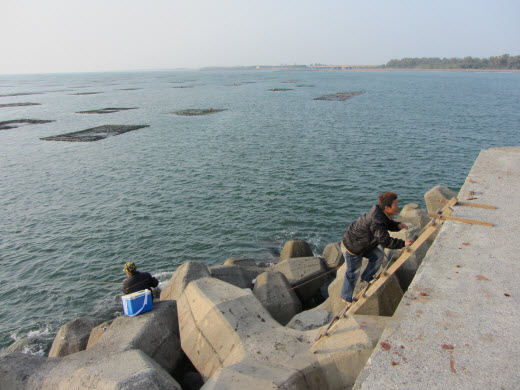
[139, 281]
[371, 230]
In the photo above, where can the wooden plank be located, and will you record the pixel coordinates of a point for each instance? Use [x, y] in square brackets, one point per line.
[482, 206]
[383, 277]
[465, 220]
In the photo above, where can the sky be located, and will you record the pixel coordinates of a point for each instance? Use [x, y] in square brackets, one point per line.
[55, 36]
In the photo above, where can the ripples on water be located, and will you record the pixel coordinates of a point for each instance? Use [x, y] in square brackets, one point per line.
[274, 166]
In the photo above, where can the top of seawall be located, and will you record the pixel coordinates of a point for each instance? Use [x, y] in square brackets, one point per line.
[457, 325]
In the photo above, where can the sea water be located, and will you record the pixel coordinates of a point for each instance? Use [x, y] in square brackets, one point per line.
[274, 166]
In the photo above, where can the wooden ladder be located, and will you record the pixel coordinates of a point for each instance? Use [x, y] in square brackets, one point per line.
[437, 220]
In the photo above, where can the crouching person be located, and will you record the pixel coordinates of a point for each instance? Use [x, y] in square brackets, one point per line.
[138, 281]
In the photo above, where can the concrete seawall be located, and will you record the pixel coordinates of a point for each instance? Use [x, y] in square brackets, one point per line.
[457, 325]
[454, 328]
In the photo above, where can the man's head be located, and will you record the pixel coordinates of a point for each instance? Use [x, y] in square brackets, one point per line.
[388, 203]
[129, 268]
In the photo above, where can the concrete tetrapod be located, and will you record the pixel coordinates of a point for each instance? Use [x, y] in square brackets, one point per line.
[128, 370]
[332, 255]
[295, 248]
[156, 333]
[274, 292]
[236, 275]
[308, 273]
[187, 272]
[72, 337]
[234, 343]
[383, 303]
[134, 353]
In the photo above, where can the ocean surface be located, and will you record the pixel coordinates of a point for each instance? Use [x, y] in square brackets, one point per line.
[274, 166]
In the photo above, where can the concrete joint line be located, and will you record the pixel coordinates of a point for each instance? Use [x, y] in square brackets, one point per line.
[201, 333]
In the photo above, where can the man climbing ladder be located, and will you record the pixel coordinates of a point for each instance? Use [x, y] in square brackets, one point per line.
[362, 239]
[438, 219]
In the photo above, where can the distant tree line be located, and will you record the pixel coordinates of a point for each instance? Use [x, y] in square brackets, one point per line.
[499, 62]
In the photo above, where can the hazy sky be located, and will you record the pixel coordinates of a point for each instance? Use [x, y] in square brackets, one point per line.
[41, 36]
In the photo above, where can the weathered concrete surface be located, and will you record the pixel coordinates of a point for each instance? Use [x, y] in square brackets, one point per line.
[308, 273]
[233, 275]
[383, 303]
[412, 213]
[310, 319]
[433, 195]
[240, 262]
[189, 271]
[133, 353]
[407, 271]
[457, 326]
[275, 294]
[156, 333]
[72, 337]
[19, 371]
[235, 344]
[84, 370]
[97, 333]
[295, 248]
[432, 203]
[333, 256]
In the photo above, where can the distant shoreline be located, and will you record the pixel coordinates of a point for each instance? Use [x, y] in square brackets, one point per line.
[448, 70]
[343, 68]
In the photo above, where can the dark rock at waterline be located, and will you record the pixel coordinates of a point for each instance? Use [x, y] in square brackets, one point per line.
[13, 124]
[280, 89]
[18, 105]
[338, 97]
[95, 133]
[108, 110]
[197, 112]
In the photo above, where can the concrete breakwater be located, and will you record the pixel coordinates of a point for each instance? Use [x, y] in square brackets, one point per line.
[236, 325]
[457, 324]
